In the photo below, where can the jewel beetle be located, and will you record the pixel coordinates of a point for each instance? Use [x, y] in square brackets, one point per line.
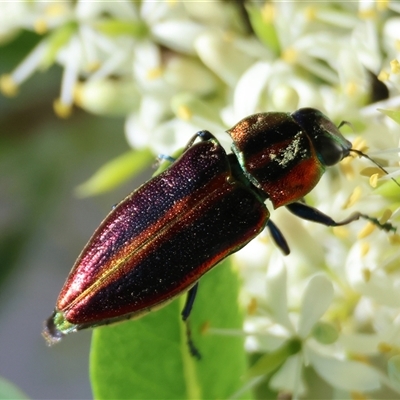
[158, 242]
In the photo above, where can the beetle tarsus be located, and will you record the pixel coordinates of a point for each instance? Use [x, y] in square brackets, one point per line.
[192, 347]
[309, 213]
[191, 296]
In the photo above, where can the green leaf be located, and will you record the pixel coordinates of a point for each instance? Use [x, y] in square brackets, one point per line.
[56, 40]
[394, 114]
[116, 27]
[262, 21]
[393, 368]
[8, 391]
[149, 358]
[389, 189]
[115, 172]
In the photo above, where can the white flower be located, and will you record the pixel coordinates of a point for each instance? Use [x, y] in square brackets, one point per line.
[316, 344]
[173, 68]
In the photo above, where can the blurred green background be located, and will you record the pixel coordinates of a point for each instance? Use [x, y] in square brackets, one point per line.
[43, 226]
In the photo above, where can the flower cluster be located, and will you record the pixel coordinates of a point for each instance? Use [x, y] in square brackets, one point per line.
[173, 68]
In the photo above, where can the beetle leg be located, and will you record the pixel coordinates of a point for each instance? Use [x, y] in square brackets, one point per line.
[278, 237]
[191, 295]
[203, 135]
[309, 213]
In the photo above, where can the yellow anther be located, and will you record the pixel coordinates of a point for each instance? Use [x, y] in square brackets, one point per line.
[358, 396]
[364, 249]
[184, 113]
[382, 5]
[290, 55]
[347, 168]
[366, 274]
[395, 66]
[154, 73]
[310, 13]
[205, 327]
[252, 306]
[371, 171]
[383, 76]
[8, 86]
[56, 9]
[394, 239]
[40, 26]
[367, 230]
[367, 13]
[373, 180]
[384, 347]
[353, 198]
[93, 66]
[341, 232]
[229, 36]
[385, 216]
[351, 88]
[268, 13]
[360, 144]
[61, 109]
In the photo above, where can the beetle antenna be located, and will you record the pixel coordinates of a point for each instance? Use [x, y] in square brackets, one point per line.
[361, 154]
[346, 123]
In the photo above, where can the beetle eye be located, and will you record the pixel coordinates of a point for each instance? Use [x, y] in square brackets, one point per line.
[330, 145]
[329, 151]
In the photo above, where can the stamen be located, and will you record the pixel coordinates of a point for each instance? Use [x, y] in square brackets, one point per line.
[184, 113]
[361, 154]
[61, 109]
[8, 86]
[383, 76]
[385, 217]
[252, 306]
[395, 66]
[384, 347]
[373, 180]
[353, 198]
[341, 232]
[367, 230]
[365, 247]
[366, 274]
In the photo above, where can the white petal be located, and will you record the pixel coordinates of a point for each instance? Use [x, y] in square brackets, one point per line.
[106, 96]
[178, 35]
[172, 135]
[139, 128]
[277, 296]
[249, 89]
[317, 298]
[221, 56]
[380, 286]
[345, 374]
[186, 74]
[358, 343]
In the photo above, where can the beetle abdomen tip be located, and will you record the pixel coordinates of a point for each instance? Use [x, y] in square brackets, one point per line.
[50, 332]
